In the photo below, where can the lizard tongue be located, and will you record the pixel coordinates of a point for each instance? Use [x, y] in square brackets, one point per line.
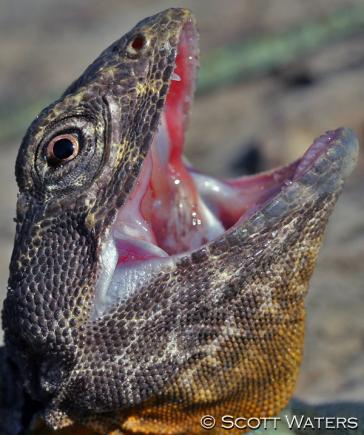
[164, 214]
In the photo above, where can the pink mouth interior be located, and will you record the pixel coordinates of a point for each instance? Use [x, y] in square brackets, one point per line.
[175, 209]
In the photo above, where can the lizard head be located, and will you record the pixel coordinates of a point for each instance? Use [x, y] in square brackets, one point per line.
[142, 292]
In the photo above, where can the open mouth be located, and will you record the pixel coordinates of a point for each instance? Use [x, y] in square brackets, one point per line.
[174, 209]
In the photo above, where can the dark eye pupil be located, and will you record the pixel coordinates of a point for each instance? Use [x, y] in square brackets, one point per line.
[63, 149]
[138, 42]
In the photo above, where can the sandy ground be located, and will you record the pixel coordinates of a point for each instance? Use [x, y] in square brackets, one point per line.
[45, 44]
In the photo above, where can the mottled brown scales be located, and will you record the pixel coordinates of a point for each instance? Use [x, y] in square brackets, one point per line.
[218, 332]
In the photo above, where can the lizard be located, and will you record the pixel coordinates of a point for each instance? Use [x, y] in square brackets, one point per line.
[142, 293]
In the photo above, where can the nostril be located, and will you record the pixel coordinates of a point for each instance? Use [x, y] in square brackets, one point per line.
[138, 42]
[136, 45]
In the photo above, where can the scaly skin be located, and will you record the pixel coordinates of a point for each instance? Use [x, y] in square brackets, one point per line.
[218, 332]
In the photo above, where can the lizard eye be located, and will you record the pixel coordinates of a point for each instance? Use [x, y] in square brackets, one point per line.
[62, 148]
[69, 153]
[137, 44]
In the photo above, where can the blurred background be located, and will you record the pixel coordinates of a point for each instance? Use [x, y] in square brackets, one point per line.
[274, 75]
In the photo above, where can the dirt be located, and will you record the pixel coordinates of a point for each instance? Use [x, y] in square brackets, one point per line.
[259, 122]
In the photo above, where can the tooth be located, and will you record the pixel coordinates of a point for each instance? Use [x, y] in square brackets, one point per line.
[175, 77]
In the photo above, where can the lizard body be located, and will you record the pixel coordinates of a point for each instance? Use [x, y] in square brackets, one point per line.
[142, 294]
